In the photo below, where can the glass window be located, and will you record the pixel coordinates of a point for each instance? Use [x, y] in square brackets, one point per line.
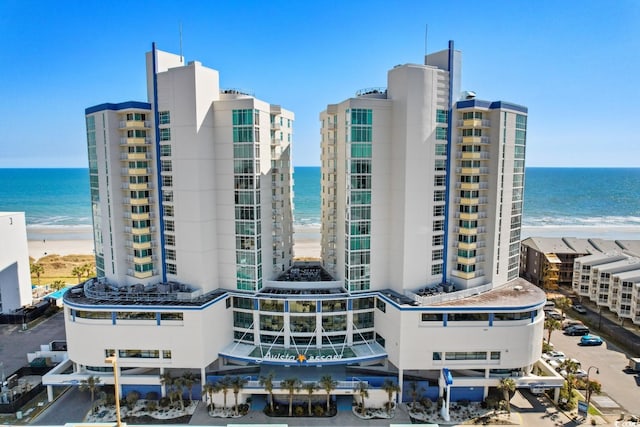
[441, 134]
[164, 117]
[442, 116]
[165, 134]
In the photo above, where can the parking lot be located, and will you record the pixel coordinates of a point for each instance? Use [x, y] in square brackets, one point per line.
[619, 385]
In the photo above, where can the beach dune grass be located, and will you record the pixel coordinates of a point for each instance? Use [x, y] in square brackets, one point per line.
[57, 267]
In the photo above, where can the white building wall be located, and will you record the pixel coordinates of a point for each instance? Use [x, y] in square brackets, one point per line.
[15, 275]
[187, 93]
[193, 342]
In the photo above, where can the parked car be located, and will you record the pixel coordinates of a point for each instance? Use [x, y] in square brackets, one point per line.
[555, 364]
[571, 322]
[576, 330]
[580, 373]
[553, 314]
[579, 308]
[590, 340]
[552, 355]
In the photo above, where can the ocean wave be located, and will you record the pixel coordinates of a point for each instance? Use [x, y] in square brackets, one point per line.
[58, 220]
[600, 221]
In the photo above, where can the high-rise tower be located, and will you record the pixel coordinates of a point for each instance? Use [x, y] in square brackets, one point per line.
[194, 186]
[421, 184]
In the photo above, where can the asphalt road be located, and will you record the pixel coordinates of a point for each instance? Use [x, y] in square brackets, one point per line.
[622, 387]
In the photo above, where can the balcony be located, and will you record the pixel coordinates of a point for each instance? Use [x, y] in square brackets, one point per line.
[137, 186]
[135, 156]
[466, 155]
[276, 142]
[134, 141]
[142, 260]
[474, 123]
[276, 125]
[135, 124]
[466, 261]
[463, 245]
[138, 216]
[141, 245]
[139, 231]
[142, 274]
[138, 202]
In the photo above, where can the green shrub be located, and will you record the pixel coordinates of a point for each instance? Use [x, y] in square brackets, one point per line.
[298, 411]
[318, 410]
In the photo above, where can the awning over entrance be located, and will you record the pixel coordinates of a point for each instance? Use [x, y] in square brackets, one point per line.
[273, 355]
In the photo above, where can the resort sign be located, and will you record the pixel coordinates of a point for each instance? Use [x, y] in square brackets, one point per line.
[285, 356]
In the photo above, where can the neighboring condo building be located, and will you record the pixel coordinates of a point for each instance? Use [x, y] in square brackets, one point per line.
[611, 280]
[15, 276]
[422, 202]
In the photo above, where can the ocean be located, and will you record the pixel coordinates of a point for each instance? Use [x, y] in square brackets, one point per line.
[556, 199]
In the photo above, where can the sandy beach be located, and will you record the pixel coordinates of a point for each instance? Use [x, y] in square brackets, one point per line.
[79, 241]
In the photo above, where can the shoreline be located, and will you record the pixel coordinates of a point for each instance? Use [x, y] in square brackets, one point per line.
[78, 240]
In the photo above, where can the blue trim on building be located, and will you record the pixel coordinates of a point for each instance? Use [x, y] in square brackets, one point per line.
[156, 121]
[478, 103]
[490, 319]
[113, 317]
[158, 318]
[117, 107]
[445, 319]
[447, 177]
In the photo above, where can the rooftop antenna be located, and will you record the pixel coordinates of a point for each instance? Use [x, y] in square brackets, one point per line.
[181, 57]
[426, 30]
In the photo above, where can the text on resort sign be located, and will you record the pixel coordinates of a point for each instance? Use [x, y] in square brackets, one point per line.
[299, 358]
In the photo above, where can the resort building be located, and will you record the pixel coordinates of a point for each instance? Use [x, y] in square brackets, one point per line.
[612, 281]
[421, 210]
[15, 276]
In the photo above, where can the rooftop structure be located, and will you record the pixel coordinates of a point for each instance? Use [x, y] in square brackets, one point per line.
[15, 276]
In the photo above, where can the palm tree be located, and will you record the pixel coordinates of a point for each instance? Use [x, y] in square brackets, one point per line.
[91, 384]
[267, 382]
[167, 381]
[592, 387]
[551, 325]
[310, 387]
[507, 386]
[37, 269]
[415, 390]
[78, 272]
[363, 390]
[563, 303]
[223, 385]
[292, 385]
[237, 384]
[189, 380]
[328, 384]
[209, 390]
[390, 387]
[178, 389]
[87, 269]
[56, 285]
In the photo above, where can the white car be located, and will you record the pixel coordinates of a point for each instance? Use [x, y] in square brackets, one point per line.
[553, 355]
[580, 373]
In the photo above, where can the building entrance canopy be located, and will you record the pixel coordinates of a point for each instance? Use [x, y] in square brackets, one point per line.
[277, 355]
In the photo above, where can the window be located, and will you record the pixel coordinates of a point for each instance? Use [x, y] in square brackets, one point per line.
[242, 117]
[437, 240]
[436, 269]
[438, 196]
[167, 181]
[442, 116]
[438, 210]
[472, 115]
[165, 150]
[465, 355]
[439, 180]
[440, 165]
[165, 134]
[171, 316]
[166, 166]
[381, 305]
[172, 268]
[432, 317]
[438, 225]
[169, 226]
[141, 354]
[164, 117]
[441, 134]
[437, 254]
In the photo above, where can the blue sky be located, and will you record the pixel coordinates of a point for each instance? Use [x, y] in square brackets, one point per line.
[574, 64]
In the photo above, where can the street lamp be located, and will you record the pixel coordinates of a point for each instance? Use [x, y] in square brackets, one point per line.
[114, 363]
[589, 385]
